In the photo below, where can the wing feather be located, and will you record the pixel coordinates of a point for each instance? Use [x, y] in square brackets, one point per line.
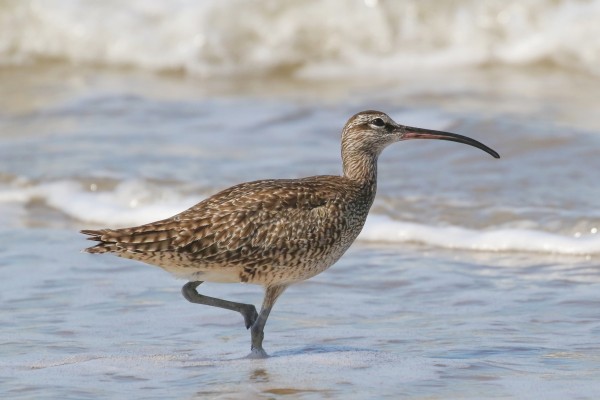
[256, 222]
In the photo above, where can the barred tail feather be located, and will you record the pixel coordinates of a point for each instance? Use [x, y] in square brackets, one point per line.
[103, 246]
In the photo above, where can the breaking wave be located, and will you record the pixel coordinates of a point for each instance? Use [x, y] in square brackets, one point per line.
[136, 202]
[316, 39]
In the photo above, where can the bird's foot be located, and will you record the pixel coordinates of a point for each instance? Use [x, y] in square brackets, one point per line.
[250, 315]
[257, 353]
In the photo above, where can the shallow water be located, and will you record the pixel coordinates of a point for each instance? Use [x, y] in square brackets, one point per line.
[384, 321]
[473, 278]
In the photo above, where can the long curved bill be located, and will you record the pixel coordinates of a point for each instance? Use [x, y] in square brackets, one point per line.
[409, 132]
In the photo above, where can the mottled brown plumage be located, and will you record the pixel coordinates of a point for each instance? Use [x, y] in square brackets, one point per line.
[269, 232]
[265, 232]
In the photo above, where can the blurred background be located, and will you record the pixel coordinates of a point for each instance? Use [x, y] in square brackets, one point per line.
[110, 97]
[119, 113]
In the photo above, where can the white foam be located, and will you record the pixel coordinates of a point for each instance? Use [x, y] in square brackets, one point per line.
[383, 229]
[212, 37]
[130, 203]
[135, 203]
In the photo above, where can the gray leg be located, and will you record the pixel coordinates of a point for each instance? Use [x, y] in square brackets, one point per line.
[248, 311]
[257, 331]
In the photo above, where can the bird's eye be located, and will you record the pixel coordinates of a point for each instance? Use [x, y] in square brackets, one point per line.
[377, 122]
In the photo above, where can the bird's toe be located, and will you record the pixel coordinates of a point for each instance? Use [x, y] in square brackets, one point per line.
[250, 316]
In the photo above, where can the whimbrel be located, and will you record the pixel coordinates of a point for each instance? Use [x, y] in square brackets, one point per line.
[273, 232]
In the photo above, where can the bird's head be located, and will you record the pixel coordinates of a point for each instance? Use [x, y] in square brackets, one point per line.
[371, 131]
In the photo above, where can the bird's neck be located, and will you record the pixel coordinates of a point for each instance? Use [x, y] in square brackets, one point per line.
[361, 167]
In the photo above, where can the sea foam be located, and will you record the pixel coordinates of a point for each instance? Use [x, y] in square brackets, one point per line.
[136, 203]
[129, 203]
[383, 229]
[309, 38]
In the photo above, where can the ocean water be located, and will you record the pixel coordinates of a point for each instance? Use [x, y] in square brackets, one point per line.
[473, 277]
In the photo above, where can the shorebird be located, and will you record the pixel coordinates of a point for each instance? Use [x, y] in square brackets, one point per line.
[273, 232]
